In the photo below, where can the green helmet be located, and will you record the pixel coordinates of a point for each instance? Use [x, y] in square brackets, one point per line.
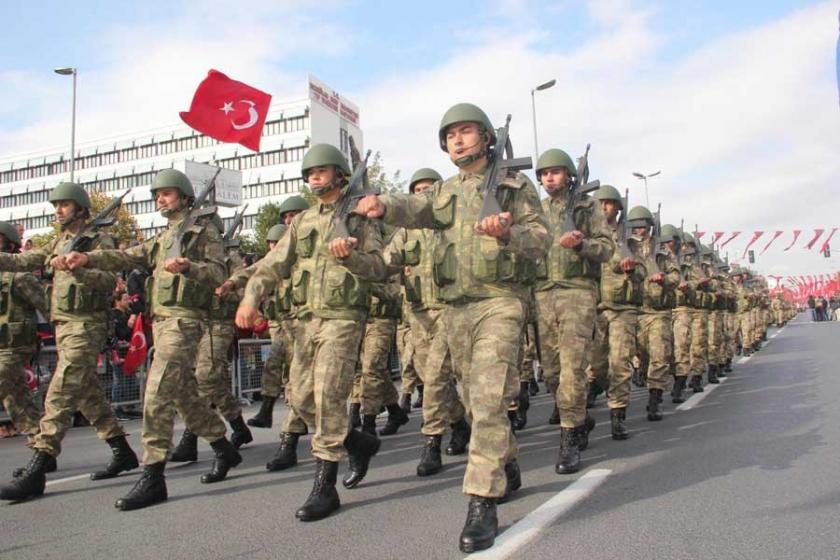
[640, 213]
[70, 191]
[293, 204]
[324, 154]
[688, 239]
[609, 192]
[669, 231]
[172, 178]
[555, 158]
[275, 232]
[8, 231]
[423, 174]
[464, 112]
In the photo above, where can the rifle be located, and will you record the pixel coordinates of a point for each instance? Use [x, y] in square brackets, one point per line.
[656, 238]
[578, 186]
[501, 162]
[101, 220]
[198, 212]
[623, 227]
[228, 237]
[697, 247]
[355, 190]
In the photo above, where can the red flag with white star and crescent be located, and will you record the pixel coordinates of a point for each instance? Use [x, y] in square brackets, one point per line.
[228, 111]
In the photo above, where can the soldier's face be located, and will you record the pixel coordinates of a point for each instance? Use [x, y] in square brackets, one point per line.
[323, 176]
[464, 139]
[271, 245]
[168, 198]
[289, 216]
[610, 209]
[640, 232]
[423, 185]
[554, 179]
[64, 210]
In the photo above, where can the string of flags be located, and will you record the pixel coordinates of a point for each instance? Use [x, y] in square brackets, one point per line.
[728, 237]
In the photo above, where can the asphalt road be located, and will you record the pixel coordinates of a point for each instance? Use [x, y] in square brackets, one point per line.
[746, 470]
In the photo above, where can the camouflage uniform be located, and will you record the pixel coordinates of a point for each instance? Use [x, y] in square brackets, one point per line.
[476, 276]
[410, 377]
[655, 334]
[79, 306]
[683, 318]
[21, 294]
[179, 304]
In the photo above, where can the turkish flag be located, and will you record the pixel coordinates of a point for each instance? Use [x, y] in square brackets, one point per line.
[137, 348]
[228, 111]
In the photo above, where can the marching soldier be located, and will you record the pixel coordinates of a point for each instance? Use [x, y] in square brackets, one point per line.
[682, 319]
[703, 301]
[475, 264]
[409, 378]
[713, 299]
[180, 292]
[330, 288]
[79, 309]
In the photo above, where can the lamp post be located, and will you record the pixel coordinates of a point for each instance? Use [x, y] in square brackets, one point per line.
[644, 178]
[540, 87]
[69, 71]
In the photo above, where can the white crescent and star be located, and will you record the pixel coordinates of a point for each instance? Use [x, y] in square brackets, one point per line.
[135, 345]
[253, 116]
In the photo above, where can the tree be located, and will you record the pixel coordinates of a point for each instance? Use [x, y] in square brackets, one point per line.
[377, 177]
[125, 228]
[268, 215]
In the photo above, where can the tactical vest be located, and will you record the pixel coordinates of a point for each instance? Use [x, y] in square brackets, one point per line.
[18, 323]
[318, 280]
[418, 250]
[566, 264]
[176, 290]
[279, 305]
[619, 288]
[69, 295]
[224, 309]
[468, 265]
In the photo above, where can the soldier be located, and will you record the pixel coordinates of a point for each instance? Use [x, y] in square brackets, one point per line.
[567, 298]
[475, 272]
[777, 307]
[409, 378]
[743, 318]
[413, 249]
[621, 295]
[276, 371]
[330, 287]
[21, 294]
[682, 318]
[180, 292]
[713, 300]
[212, 367]
[703, 303]
[730, 326]
[79, 307]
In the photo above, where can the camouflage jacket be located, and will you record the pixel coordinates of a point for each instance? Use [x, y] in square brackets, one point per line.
[659, 297]
[414, 248]
[621, 290]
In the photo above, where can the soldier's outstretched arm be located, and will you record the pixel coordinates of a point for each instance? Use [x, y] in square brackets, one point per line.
[599, 246]
[529, 235]
[25, 262]
[268, 273]
[30, 289]
[366, 259]
[394, 254]
[411, 211]
[672, 275]
[100, 280]
[115, 260]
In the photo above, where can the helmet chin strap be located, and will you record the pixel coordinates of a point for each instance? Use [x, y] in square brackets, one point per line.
[466, 160]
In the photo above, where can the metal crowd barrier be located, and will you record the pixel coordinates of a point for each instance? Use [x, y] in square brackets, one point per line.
[248, 367]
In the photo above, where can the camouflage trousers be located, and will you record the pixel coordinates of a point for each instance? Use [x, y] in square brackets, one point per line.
[699, 341]
[410, 379]
[441, 404]
[567, 326]
[372, 385]
[75, 386]
[172, 387]
[483, 338]
[528, 355]
[731, 326]
[212, 368]
[276, 369]
[717, 337]
[655, 340]
[613, 349]
[779, 317]
[15, 395]
[682, 319]
[292, 422]
[758, 325]
[744, 329]
[321, 378]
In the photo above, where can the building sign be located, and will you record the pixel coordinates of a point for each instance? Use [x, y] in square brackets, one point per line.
[228, 183]
[324, 95]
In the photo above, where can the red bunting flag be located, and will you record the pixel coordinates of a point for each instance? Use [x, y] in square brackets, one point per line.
[775, 237]
[228, 111]
[717, 236]
[731, 237]
[137, 347]
[699, 234]
[825, 243]
[755, 237]
[817, 233]
[796, 233]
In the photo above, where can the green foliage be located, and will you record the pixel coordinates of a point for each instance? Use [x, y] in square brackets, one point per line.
[267, 216]
[125, 229]
[377, 177]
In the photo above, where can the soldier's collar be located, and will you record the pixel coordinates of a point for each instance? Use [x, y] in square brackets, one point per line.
[325, 207]
[176, 218]
[467, 175]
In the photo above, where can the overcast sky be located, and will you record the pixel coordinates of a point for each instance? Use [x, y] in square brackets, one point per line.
[735, 102]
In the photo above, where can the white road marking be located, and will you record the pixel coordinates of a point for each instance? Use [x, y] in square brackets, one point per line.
[528, 528]
[696, 398]
[86, 476]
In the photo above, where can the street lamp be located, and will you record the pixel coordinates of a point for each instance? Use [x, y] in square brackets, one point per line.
[68, 71]
[540, 87]
[644, 178]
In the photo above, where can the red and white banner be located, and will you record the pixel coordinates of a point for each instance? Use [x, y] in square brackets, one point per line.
[775, 237]
[755, 237]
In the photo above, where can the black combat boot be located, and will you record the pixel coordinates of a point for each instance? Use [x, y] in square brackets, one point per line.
[323, 500]
[419, 402]
[264, 418]
[31, 481]
[568, 458]
[712, 375]
[405, 403]
[123, 459]
[51, 466]
[514, 480]
[677, 395]
[521, 419]
[721, 370]
[286, 455]
[240, 434]
[583, 431]
[592, 394]
[619, 430]
[227, 457]
[637, 378]
[461, 433]
[430, 460]
[396, 417]
[369, 424]
[654, 408]
[355, 415]
[696, 383]
[554, 419]
[533, 388]
[150, 489]
[482, 525]
[187, 449]
[361, 447]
